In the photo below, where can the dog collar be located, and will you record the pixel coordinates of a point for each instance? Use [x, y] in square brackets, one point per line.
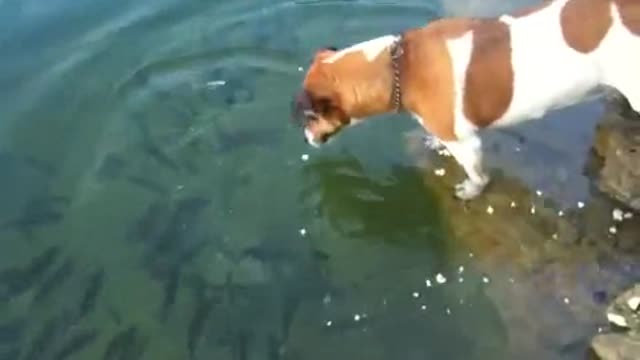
[396, 91]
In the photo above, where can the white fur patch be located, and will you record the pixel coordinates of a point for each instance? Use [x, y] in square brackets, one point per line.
[310, 139]
[371, 48]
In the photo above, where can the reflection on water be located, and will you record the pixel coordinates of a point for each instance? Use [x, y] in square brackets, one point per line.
[155, 204]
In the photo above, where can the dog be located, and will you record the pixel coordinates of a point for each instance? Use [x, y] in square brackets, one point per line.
[461, 75]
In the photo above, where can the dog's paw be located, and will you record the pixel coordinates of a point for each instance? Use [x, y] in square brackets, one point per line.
[432, 143]
[468, 189]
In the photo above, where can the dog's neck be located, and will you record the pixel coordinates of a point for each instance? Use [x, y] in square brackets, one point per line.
[368, 76]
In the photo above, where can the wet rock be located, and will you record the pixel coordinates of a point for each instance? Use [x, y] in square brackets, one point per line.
[624, 341]
[625, 309]
[617, 143]
[616, 347]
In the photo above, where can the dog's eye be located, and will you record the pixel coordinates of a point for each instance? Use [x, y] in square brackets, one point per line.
[310, 116]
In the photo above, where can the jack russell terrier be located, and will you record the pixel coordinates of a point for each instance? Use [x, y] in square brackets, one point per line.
[458, 76]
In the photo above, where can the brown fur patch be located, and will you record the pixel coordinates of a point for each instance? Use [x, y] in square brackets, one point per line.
[528, 10]
[630, 14]
[489, 78]
[585, 23]
[428, 83]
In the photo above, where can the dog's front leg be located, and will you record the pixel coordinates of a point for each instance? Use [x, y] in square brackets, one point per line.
[468, 153]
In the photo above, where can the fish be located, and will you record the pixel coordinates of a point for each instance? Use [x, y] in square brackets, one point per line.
[52, 329]
[125, 345]
[54, 281]
[170, 293]
[273, 348]
[11, 332]
[10, 353]
[148, 184]
[240, 348]
[96, 282]
[27, 223]
[111, 167]
[159, 156]
[151, 223]
[16, 281]
[76, 343]
[203, 308]
[228, 141]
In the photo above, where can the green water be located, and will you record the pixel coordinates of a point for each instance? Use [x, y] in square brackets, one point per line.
[155, 204]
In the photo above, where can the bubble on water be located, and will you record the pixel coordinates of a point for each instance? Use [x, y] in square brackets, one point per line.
[180, 187]
[539, 193]
[423, 307]
[300, 69]
[489, 210]
[485, 279]
[427, 282]
[303, 231]
[441, 279]
[461, 279]
[580, 205]
[533, 210]
[628, 215]
[356, 317]
[415, 294]
[461, 301]
[460, 269]
[561, 213]
[513, 204]
[613, 230]
[304, 157]
[440, 172]
[566, 300]
[555, 236]
[448, 311]
[329, 323]
[470, 255]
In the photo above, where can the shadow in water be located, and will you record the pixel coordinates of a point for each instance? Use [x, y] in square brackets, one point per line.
[397, 208]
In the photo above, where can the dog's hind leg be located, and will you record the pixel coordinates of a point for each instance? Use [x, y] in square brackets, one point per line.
[468, 153]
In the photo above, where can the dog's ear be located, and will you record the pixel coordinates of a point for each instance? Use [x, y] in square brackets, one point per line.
[300, 104]
[325, 52]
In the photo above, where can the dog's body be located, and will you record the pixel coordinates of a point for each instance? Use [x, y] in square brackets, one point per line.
[458, 76]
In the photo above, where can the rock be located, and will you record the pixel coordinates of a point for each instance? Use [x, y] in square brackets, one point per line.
[618, 144]
[625, 343]
[623, 311]
[616, 347]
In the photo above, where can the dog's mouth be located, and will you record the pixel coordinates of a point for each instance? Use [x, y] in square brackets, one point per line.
[310, 139]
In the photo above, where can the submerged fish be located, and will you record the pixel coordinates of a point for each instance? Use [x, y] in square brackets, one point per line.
[16, 281]
[76, 343]
[54, 328]
[125, 345]
[204, 305]
[170, 293]
[96, 281]
[54, 281]
[148, 184]
[11, 332]
[231, 140]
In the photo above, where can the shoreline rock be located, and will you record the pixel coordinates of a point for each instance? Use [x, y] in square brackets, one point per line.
[623, 340]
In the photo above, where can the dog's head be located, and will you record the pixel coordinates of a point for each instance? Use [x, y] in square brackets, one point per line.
[317, 107]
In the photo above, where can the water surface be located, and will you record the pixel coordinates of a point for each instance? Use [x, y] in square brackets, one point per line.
[155, 204]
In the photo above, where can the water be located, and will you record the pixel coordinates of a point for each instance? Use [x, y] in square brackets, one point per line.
[155, 203]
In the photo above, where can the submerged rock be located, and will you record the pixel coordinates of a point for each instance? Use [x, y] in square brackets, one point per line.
[618, 146]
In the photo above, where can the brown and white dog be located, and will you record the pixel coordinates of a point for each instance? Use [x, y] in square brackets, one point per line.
[457, 76]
